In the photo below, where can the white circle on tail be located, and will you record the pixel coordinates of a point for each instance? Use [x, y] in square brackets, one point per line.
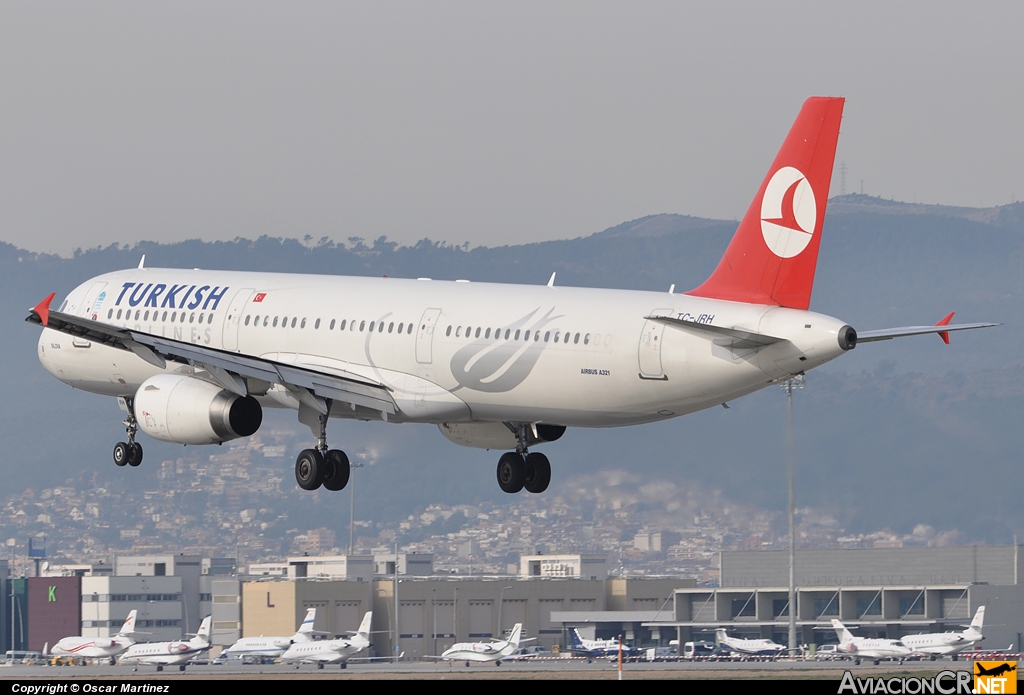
[788, 212]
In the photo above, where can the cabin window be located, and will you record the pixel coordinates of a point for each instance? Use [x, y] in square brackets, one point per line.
[586, 339]
[488, 333]
[380, 327]
[597, 338]
[458, 332]
[275, 322]
[362, 325]
[576, 340]
[352, 325]
[342, 326]
[138, 313]
[284, 322]
[266, 320]
[391, 326]
[118, 313]
[566, 340]
[302, 324]
[164, 318]
[547, 336]
[200, 318]
[316, 326]
[517, 335]
[331, 327]
[110, 314]
[294, 319]
[408, 329]
[247, 317]
[477, 332]
[371, 327]
[507, 331]
[402, 325]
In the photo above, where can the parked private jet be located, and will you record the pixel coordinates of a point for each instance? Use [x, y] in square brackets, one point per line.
[753, 647]
[193, 356]
[98, 647]
[948, 643]
[597, 647]
[272, 647]
[173, 653]
[874, 649]
[492, 651]
[335, 651]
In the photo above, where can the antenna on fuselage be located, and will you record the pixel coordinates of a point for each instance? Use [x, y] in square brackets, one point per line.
[142, 263]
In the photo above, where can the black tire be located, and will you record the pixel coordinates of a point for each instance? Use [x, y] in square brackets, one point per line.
[336, 470]
[511, 472]
[537, 473]
[159, 668]
[134, 454]
[344, 665]
[320, 664]
[182, 667]
[121, 454]
[309, 469]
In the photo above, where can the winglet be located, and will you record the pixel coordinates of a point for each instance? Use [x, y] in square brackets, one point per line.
[945, 322]
[42, 309]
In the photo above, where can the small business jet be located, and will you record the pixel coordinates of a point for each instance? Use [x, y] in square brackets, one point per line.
[193, 356]
[949, 644]
[752, 647]
[335, 651]
[173, 653]
[272, 647]
[98, 647]
[597, 647]
[871, 648]
[492, 651]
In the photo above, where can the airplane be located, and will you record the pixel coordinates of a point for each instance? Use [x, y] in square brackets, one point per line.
[175, 652]
[335, 651]
[871, 648]
[948, 643]
[98, 647]
[753, 647]
[597, 647]
[492, 651]
[194, 356]
[272, 646]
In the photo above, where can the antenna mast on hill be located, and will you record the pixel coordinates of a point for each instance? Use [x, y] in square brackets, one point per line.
[842, 178]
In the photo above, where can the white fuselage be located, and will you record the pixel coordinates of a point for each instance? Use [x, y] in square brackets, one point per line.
[325, 651]
[754, 647]
[941, 643]
[91, 647]
[451, 352]
[259, 646]
[479, 651]
[162, 653]
[875, 648]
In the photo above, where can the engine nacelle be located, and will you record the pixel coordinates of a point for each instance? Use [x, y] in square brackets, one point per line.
[103, 642]
[495, 435]
[182, 409]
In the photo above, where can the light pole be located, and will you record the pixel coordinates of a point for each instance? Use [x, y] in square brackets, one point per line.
[352, 506]
[501, 602]
[433, 605]
[797, 382]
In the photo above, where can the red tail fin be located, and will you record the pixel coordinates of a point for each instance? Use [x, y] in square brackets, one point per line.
[772, 257]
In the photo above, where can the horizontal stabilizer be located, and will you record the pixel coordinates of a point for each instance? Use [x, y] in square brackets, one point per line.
[890, 333]
[741, 334]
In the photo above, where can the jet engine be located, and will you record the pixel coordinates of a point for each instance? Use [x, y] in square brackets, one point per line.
[103, 642]
[495, 435]
[182, 409]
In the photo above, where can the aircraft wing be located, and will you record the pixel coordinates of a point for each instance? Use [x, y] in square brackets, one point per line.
[229, 369]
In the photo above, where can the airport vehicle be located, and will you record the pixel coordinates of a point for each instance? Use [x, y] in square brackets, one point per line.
[173, 653]
[752, 647]
[193, 356]
[271, 646]
[597, 647]
[492, 651]
[531, 652]
[81, 648]
[873, 649]
[693, 650]
[949, 644]
[335, 651]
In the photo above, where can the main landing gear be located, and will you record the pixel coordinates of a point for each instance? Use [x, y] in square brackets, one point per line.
[322, 466]
[129, 453]
[519, 469]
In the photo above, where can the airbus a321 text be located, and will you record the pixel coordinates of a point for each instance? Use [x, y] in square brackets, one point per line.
[193, 356]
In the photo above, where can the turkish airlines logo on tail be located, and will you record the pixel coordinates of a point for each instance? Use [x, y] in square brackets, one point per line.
[788, 213]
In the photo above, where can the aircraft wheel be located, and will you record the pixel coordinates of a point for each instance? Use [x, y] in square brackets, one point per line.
[953, 657]
[537, 473]
[182, 667]
[344, 665]
[159, 668]
[877, 662]
[309, 469]
[121, 454]
[511, 473]
[336, 471]
[498, 662]
[856, 662]
[320, 665]
[134, 454]
[467, 664]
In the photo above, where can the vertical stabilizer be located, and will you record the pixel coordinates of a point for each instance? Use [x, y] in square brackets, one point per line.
[305, 631]
[773, 255]
[364, 627]
[202, 637]
[517, 631]
[978, 621]
[129, 624]
[844, 635]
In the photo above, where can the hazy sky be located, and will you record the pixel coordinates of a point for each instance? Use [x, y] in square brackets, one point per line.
[493, 123]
